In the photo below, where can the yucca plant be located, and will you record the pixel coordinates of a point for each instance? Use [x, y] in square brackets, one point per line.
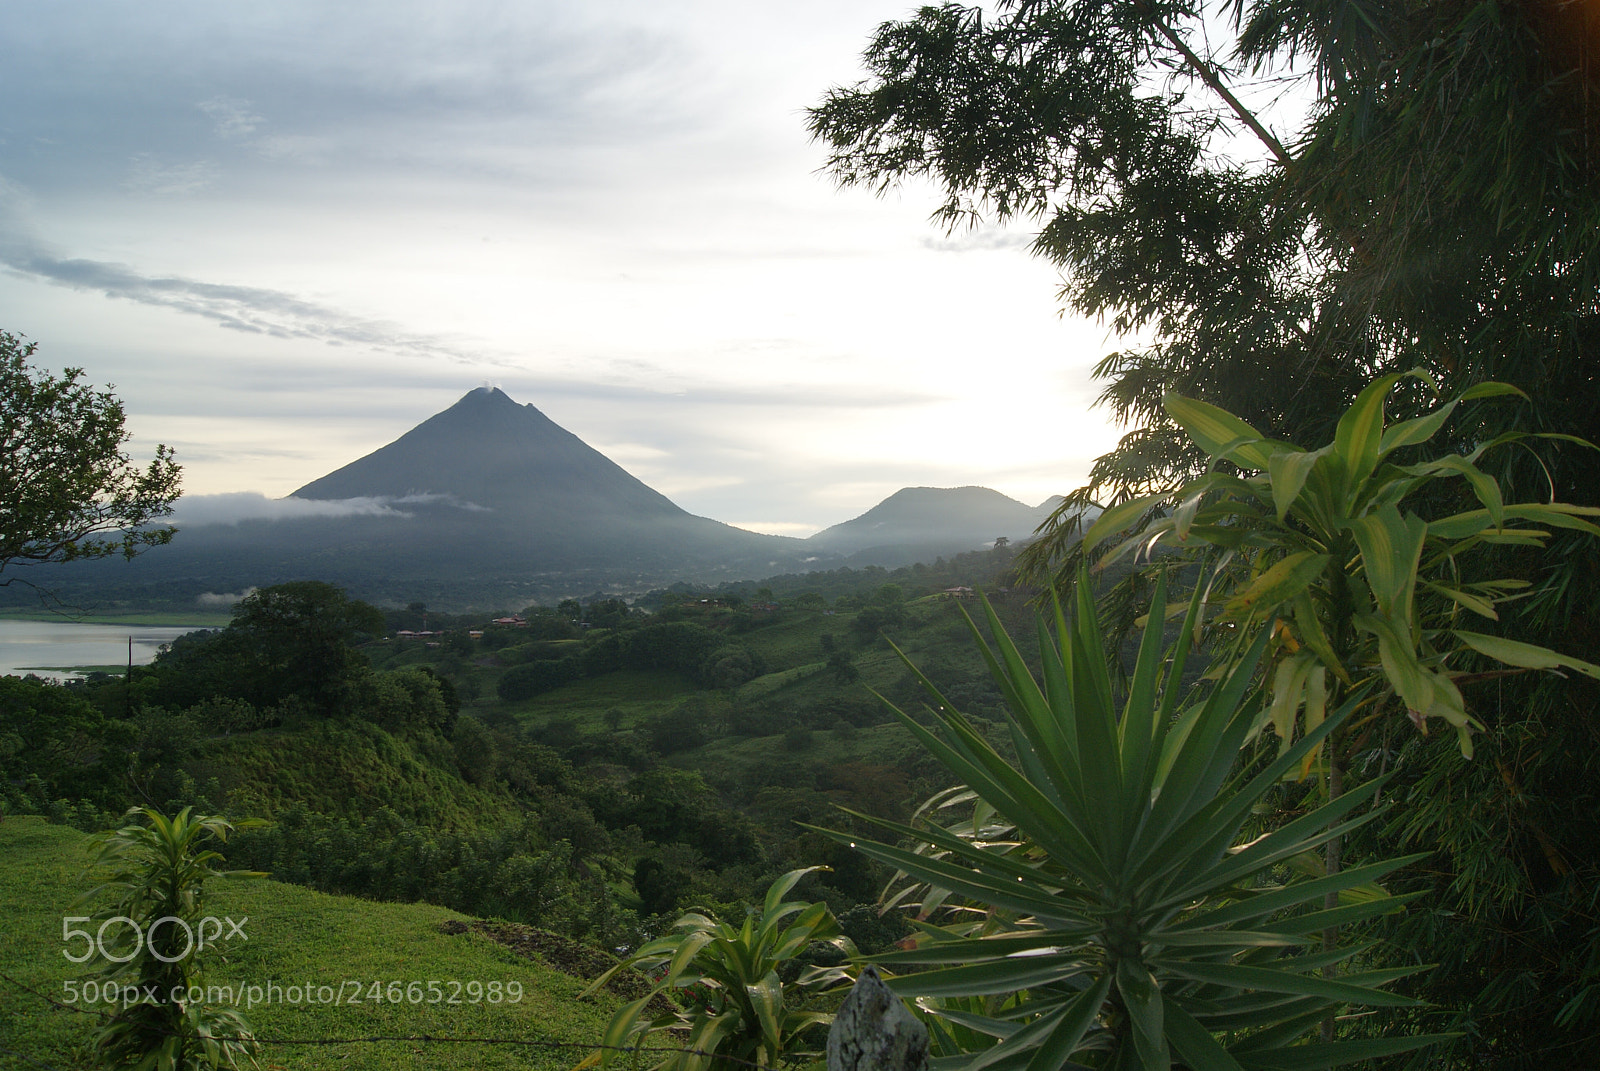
[1125, 924]
[732, 1007]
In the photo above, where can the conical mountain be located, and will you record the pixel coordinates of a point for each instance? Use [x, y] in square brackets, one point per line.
[492, 485]
[916, 522]
[488, 451]
[488, 503]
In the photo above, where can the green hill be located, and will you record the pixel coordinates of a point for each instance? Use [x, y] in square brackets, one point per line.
[296, 938]
[591, 770]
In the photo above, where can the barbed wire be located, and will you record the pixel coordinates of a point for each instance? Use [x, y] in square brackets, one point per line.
[52, 1000]
[532, 1043]
[27, 1059]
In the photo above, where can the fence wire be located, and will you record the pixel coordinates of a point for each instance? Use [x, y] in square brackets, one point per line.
[531, 1043]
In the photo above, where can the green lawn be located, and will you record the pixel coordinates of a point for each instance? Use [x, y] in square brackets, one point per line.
[297, 939]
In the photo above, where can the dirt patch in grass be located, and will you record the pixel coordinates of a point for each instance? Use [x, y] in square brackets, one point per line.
[565, 955]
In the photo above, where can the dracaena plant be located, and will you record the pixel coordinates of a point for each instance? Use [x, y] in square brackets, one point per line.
[732, 1007]
[1324, 545]
[156, 869]
[1126, 921]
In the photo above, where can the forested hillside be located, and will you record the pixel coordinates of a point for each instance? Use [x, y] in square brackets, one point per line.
[589, 768]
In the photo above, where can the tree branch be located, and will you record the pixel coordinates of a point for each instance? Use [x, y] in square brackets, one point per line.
[1210, 77]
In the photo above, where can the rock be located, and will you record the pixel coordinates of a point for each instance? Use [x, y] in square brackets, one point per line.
[874, 1031]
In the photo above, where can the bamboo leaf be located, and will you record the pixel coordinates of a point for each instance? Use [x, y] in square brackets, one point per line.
[1194, 1044]
[1239, 976]
[1288, 684]
[1391, 550]
[1308, 626]
[1317, 921]
[766, 996]
[1484, 486]
[1073, 1023]
[992, 977]
[1116, 519]
[1412, 432]
[1339, 1053]
[1478, 605]
[1404, 673]
[1316, 710]
[1526, 655]
[1141, 997]
[1553, 514]
[1139, 715]
[1288, 470]
[1489, 389]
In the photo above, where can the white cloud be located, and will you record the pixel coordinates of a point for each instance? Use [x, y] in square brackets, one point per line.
[611, 208]
[233, 118]
[231, 508]
[214, 600]
[147, 174]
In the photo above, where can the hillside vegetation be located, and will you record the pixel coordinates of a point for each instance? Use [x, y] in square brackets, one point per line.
[590, 769]
[295, 937]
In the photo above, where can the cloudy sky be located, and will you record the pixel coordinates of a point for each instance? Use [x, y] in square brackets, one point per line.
[288, 232]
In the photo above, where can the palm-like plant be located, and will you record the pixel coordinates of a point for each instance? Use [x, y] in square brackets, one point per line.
[739, 1010]
[158, 871]
[1127, 926]
[1330, 552]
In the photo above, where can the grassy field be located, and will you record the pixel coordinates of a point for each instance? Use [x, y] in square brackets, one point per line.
[638, 693]
[300, 941]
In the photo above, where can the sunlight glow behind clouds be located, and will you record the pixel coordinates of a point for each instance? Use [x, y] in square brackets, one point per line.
[289, 233]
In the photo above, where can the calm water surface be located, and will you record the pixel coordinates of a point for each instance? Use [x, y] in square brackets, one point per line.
[26, 646]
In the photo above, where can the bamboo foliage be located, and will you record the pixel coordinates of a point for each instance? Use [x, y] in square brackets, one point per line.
[1122, 923]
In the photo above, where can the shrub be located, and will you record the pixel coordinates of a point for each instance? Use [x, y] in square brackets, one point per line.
[1117, 911]
[536, 678]
[158, 872]
[733, 1002]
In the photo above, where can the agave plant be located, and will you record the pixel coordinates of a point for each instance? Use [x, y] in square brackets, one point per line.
[1126, 925]
[733, 1009]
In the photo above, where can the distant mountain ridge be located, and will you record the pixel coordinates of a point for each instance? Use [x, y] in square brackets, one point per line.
[491, 503]
[913, 514]
[921, 523]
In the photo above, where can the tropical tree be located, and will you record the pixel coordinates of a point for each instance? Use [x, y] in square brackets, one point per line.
[68, 489]
[731, 1007]
[1124, 920]
[1429, 197]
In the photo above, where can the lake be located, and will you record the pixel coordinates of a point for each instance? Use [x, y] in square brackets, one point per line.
[27, 645]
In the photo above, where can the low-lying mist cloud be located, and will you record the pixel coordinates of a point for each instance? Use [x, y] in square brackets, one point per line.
[221, 600]
[197, 510]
